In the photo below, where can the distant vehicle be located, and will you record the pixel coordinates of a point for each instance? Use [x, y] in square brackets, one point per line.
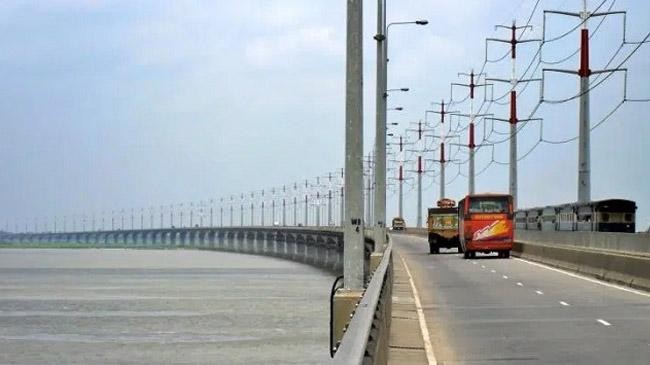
[485, 224]
[612, 215]
[442, 226]
[398, 224]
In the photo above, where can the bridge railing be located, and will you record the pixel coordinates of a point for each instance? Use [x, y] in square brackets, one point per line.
[366, 337]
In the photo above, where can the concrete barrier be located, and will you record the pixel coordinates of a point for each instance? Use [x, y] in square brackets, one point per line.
[638, 243]
[621, 268]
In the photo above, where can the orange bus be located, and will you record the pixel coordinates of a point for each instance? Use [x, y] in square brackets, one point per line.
[485, 224]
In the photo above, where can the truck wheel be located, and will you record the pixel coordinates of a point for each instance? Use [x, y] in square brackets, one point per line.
[466, 255]
[506, 254]
[433, 249]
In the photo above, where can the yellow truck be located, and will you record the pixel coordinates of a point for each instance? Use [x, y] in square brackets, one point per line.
[442, 226]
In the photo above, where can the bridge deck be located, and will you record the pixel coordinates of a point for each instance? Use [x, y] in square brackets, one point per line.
[495, 311]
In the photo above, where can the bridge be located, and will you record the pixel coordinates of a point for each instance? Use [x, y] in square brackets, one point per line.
[565, 297]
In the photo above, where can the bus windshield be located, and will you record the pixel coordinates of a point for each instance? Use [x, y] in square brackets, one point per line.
[489, 205]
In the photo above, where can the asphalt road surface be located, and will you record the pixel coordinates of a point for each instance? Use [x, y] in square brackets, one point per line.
[511, 311]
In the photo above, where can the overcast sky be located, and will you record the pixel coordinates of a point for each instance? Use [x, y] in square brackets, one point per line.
[109, 105]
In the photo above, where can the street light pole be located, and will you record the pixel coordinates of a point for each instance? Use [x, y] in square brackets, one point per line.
[380, 130]
[353, 249]
[381, 94]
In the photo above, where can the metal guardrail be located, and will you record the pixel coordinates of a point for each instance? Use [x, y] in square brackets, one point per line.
[366, 335]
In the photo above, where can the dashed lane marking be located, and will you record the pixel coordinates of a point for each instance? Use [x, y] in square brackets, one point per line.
[493, 271]
[539, 292]
[520, 284]
[604, 322]
[505, 276]
[595, 281]
[564, 303]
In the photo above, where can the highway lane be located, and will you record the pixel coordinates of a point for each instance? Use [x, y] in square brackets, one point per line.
[509, 311]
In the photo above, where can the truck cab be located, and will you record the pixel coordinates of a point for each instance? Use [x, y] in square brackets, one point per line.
[442, 226]
[398, 224]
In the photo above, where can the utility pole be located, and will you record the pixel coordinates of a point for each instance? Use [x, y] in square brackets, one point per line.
[272, 206]
[220, 212]
[380, 130]
[252, 209]
[471, 145]
[191, 215]
[295, 210]
[472, 116]
[419, 171]
[262, 210]
[317, 206]
[241, 210]
[295, 204]
[513, 81]
[306, 204]
[201, 213]
[211, 213]
[353, 249]
[284, 205]
[584, 72]
[329, 200]
[161, 216]
[442, 112]
[232, 219]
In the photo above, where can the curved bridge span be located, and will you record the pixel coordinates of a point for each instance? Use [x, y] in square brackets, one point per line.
[320, 247]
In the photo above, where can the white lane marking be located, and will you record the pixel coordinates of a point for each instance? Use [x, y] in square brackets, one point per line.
[520, 284]
[564, 303]
[428, 348]
[473, 262]
[604, 322]
[539, 292]
[505, 276]
[482, 266]
[493, 271]
[595, 281]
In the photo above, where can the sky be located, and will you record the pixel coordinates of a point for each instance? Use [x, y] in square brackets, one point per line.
[119, 105]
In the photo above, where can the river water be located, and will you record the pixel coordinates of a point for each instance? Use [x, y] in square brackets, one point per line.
[114, 306]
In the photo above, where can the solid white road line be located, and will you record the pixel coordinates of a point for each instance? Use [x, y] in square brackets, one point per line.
[428, 348]
[564, 303]
[520, 284]
[505, 276]
[604, 322]
[539, 292]
[591, 280]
